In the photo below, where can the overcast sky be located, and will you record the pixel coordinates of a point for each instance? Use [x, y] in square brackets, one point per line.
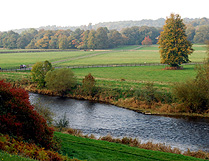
[16, 14]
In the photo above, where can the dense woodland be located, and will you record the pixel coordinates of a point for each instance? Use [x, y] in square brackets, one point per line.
[100, 36]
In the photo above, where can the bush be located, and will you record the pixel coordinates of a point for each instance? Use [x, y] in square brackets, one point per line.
[60, 80]
[194, 94]
[39, 71]
[18, 117]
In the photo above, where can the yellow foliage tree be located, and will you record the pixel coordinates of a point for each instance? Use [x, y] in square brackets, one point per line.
[173, 43]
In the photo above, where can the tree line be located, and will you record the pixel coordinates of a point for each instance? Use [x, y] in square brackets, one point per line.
[102, 38]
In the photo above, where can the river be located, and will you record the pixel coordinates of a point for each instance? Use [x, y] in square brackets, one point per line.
[102, 119]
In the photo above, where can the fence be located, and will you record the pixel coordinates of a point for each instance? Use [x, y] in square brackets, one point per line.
[124, 65]
[36, 50]
[98, 66]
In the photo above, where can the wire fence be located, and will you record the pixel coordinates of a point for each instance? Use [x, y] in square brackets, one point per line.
[97, 66]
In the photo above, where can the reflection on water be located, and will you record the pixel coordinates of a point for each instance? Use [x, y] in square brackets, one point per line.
[101, 119]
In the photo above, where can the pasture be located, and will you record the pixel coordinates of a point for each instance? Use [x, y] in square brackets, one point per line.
[109, 76]
[144, 54]
[13, 60]
[120, 55]
[136, 76]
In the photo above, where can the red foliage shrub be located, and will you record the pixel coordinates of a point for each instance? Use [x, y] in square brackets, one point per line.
[18, 117]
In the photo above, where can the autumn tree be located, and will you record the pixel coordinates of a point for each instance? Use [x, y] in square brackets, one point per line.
[91, 44]
[43, 43]
[84, 38]
[173, 43]
[88, 85]
[147, 41]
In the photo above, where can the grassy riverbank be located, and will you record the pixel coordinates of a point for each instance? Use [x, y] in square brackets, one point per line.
[88, 149]
[92, 150]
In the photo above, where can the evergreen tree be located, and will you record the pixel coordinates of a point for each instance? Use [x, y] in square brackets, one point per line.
[174, 46]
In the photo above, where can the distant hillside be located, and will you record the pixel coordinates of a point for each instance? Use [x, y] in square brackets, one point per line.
[119, 25]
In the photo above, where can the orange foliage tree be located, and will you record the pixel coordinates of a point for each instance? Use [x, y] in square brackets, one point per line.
[147, 41]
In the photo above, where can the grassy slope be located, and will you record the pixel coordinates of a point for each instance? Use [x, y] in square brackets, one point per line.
[9, 157]
[87, 149]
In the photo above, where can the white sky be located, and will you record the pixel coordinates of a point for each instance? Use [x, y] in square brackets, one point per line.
[16, 14]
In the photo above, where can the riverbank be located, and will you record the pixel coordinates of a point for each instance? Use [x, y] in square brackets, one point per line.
[154, 108]
[87, 101]
[84, 148]
[90, 149]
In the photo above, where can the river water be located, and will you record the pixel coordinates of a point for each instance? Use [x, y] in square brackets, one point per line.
[102, 119]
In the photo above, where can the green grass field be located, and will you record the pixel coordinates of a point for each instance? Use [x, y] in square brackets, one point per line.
[143, 73]
[110, 76]
[144, 54]
[88, 149]
[120, 55]
[134, 76]
[137, 76]
[13, 60]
